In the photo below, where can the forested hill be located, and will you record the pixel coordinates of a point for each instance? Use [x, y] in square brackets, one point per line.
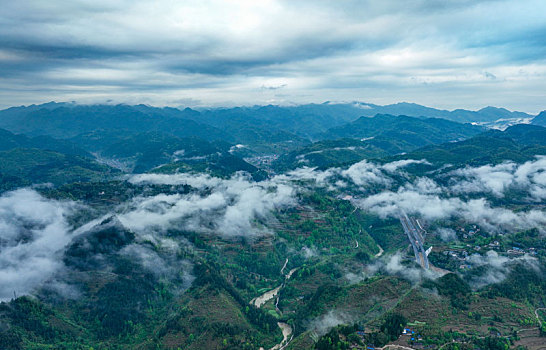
[540, 119]
[418, 131]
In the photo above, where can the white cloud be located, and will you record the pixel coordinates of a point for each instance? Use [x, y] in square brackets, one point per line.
[424, 185]
[413, 274]
[365, 173]
[529, 176]
[322, 324]
[229, 208]
[533, 174]
[33, 235]
[446, 234]
[433, 207]
[162, 263]
[310, 174]
[394, 166]
[425, 197]
[496, 266]
[495, 179]
[164, 52]
[309, 253]
[392, 265]
[195, 180]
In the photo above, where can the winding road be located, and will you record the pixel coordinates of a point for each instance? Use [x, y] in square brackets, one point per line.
[537, 315]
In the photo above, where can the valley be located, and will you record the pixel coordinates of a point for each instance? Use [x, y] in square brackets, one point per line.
[243, 229]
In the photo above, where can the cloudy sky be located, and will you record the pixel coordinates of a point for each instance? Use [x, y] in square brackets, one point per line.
[449, 54]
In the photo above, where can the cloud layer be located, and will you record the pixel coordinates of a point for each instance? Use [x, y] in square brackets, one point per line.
[227, 207]
[362, 174]
[34, 233]
[434, 207]
[387, 190]
[446, 54]
[498, 179]
[496, 267]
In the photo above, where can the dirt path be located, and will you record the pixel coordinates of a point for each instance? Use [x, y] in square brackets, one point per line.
[396, 347]
[537, 316]
[284, 266]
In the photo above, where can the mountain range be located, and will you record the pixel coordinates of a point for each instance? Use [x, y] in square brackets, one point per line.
[270, 227]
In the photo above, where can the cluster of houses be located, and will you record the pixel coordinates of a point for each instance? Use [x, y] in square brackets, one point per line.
[415, 339]
[471, 232]
[408, 335]
[262, 161]
[515, 251]
[412, 334]
[462, 254]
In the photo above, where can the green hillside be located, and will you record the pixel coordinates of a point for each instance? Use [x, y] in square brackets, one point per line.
[479, 150]
[69, 121]
[376, 137]
[540, 119]
[26, 166]
[9, 141]
[139, 233]
[418, 132]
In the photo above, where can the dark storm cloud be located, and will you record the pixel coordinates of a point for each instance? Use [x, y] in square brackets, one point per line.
[435, 52]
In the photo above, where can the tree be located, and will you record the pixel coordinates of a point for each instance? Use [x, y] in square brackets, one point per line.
[393, 325]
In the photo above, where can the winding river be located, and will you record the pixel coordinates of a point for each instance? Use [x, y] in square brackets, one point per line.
[287, 331]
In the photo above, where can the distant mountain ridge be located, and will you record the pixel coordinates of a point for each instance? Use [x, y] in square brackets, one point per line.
[419, 131]
[69, 121]
[518, 143]
[526, 134]
[259, 129]
[302, 120]
[540, 119]
[375, 137]
[487, 114]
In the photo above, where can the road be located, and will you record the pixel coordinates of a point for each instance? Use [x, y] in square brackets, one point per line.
[395, 346]
[284, 266]
[537, 315]
[415, 236]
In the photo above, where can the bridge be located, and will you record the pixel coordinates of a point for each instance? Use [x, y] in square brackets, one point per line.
[415, 232]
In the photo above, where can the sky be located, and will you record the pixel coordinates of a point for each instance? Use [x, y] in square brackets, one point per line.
[444, 54]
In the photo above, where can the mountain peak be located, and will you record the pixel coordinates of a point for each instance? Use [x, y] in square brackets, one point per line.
[540, 119]
[493, 109]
